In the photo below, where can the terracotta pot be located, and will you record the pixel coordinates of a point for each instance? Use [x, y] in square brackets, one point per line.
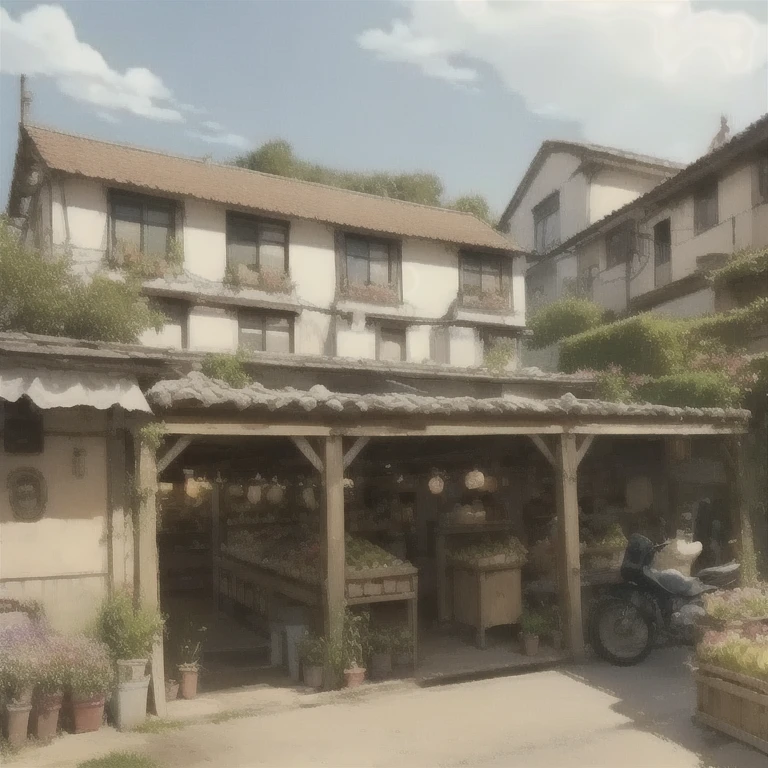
[17, 723]
[171, 690]
[381, 665]
[530, 644]
[131, 670]
[87, 713]
[188, 681]
[313, 676]
[46, 716]
[354, 677]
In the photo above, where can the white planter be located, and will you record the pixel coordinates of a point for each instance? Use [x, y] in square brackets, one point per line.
[130, 704]
[131, 670]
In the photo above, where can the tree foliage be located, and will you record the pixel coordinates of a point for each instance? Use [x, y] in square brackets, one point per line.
[278, 157]
[43, 296]
[562, 319]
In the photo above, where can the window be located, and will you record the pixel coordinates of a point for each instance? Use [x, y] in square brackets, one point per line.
[261, 332]
[662, 242]
[144, 224]
[177, 317]
[481, 273]
[390, 343]
[22, 426]
[257, 243]
[546, 224]
[618, 246]
[762, 179]
[370, 262]
[705, 209]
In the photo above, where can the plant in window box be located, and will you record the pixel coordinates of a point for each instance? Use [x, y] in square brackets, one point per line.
[473, 297]
[275, 281]
[370, 293]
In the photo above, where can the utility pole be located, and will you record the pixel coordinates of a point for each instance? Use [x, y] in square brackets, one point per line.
[25, 99]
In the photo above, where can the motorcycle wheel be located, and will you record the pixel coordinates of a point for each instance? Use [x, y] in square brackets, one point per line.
[620, 632]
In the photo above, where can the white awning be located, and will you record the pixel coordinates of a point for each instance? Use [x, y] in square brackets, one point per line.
[48, 388]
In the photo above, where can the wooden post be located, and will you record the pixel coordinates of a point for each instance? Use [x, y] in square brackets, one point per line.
[148, 580]
[118, 548]
[335, 556]
[216, 542]
[741, 528]
[566, 467]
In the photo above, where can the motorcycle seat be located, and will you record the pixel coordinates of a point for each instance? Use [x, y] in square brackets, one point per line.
[676, 584]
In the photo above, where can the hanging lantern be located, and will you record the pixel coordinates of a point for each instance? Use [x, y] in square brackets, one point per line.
[474, 480]
[275, 494]
[254, 494]
[491, 484]
[349, 483]
[236, 491]
[191, 486]
[436, 485]
[308, 497]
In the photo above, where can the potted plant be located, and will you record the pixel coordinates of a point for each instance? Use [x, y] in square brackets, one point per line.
[89, 675]
[354, 646]
[49, 691]
[129, 633]
[18, 663]
[190, 650]
[382, 644]
[312, 652]
[533, 626]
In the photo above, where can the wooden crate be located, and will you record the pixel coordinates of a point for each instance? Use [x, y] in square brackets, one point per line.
[486, 596]
[373, 585]
[734, 704]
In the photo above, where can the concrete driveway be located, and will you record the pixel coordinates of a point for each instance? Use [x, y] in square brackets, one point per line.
[587, 717]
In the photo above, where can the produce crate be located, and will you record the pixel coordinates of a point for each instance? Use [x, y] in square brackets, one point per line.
[371, 585]
[734, 704]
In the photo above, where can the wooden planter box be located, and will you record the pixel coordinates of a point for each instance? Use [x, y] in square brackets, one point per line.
[372, 585]
[734, 704]
[486, 595]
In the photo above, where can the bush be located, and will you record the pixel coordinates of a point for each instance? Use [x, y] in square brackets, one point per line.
[128, 632]
[744, 265]
[535, 623]
[694, 389]
[227, 368]
[562, 319]
[646, 344]
[733, 328]
[313, 650]
[89, 669]
[43, 296]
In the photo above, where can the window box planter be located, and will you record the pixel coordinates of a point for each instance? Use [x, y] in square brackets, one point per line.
[489, 301]
[734, 704]
[370, 293]
[267, 280]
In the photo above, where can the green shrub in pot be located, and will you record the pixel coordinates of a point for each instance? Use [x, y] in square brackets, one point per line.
[129, 632]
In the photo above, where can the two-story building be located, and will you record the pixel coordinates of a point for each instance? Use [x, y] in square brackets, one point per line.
[240, 259]
[653, 253]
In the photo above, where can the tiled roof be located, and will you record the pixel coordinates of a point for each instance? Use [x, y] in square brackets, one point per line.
[744, 141]
[585, 151]
[197, 390]
[229, 185]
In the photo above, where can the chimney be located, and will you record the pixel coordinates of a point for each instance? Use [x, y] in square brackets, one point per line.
[25, 98]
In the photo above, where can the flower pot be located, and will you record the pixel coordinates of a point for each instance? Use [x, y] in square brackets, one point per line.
[171, 690]
[17, 723]
[131, 670]
[381, 665]
[87, 713]
[557, 640]
[188, 680]
[130, 704]
[354, 677]
[46, 716]
[530, 644]
[313, 676]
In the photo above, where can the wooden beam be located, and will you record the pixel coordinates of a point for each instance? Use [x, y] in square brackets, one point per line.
[207, 428]
[451, 430]
[354, 451]
[335, 557]
[119, 515]
[583, 447]
[173, 453]
[215, 541]
[741, 528]
[148, 575]
[544, 449]
[651, 428]
[309, 452]
[568, 543]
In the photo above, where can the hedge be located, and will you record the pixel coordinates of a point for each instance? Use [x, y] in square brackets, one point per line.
[746, 264]
[645, 344]
[733, 328]
[692, 389]
[562, 319]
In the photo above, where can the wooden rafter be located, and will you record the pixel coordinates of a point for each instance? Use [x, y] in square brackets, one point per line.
[582, 448]
[173, 453]
[309, 452]
[544, 448]
[354, 451]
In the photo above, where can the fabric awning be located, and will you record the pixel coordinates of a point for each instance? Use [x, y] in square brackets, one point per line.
[48, 388]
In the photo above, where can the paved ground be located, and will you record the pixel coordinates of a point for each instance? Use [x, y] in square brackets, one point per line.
[594, 716]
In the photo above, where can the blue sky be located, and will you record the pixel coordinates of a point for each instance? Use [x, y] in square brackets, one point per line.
[468, 90]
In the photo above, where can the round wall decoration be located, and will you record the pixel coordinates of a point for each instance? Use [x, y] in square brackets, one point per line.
[27, 493]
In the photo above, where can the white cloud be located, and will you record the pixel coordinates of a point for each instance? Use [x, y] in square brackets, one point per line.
[43, 41]
[107, 117]
[648, 75]
[212, 125]
[221, 137]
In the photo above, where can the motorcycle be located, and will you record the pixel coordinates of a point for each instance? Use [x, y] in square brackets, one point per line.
[624, 623]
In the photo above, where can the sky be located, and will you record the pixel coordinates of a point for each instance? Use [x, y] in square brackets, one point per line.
[467, 89]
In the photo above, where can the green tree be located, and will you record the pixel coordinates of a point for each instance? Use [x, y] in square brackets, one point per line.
[476, 205]
[43, 296]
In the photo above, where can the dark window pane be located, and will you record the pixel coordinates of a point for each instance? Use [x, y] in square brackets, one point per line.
[242, 253]
[155, 239]
[357, 269]
[272, 234]
[126, 211]
[252, 333]
[160, 217]
[272, 256]
[472, 272]
[379, 264]
[356, 247]
[392, 344]
[127, 233]
[278, 334]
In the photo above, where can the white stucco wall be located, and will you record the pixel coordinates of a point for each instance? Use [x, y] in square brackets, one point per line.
[692, 305]
[612, 188]
[205, 239]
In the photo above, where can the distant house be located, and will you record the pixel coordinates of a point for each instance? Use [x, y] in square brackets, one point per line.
[272, 264]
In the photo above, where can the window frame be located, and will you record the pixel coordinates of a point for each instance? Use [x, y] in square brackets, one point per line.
[159, 303]
[259, 221]
[627, 232]
[395, 260]
[657, 243]
[465, 256]
[542, 211]
[145, 202]
[700, 226]
[381, 329]
[264, 316]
